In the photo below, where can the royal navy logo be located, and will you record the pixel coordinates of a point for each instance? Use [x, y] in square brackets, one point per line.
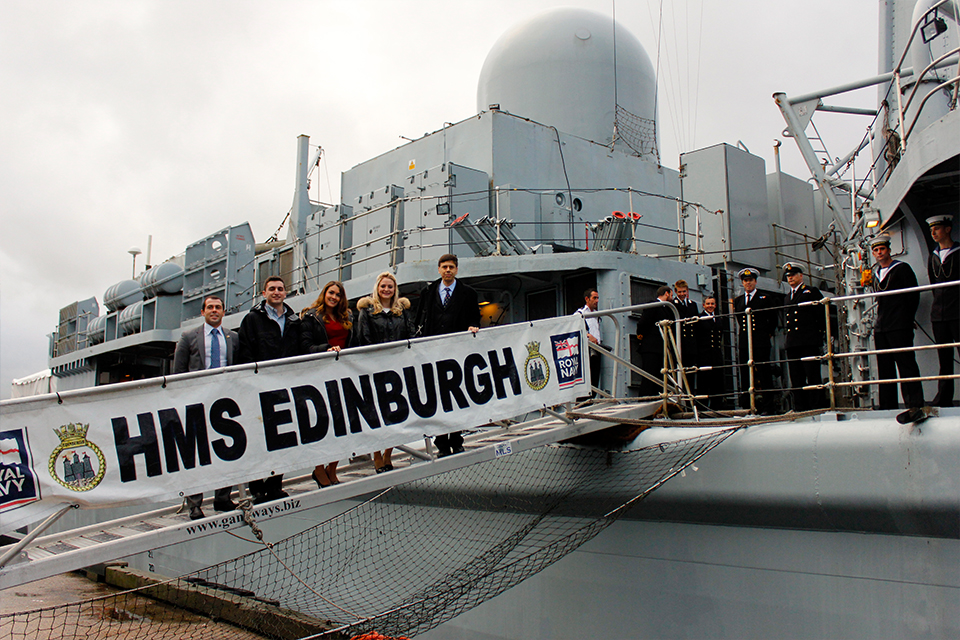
[568, 358]
[77, 463]
[536, 369]
[18, 480]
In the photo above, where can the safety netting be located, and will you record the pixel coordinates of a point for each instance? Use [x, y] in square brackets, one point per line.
[399, 563]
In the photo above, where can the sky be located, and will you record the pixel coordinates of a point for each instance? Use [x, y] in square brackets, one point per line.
[126, 119]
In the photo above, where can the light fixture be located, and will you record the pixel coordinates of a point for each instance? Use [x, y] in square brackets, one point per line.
[871, 218]
[933, 26]
[443, 209]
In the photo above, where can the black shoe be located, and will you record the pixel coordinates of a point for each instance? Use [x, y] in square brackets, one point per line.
[228, 505]
[911, 415]
[458, 449]
[443, 453]
[196, 513]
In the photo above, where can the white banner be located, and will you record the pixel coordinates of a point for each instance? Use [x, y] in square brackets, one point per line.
[161, 438]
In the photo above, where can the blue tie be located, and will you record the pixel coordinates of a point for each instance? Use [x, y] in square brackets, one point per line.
[215, 348]
[446, 295]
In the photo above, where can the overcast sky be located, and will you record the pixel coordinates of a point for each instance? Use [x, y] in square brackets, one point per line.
[129, 118]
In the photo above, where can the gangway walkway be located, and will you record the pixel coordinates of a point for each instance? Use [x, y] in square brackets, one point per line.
[106, 541]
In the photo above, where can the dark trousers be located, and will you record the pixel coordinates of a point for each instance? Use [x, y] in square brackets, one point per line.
[448, 442]
[763, 375]
[267, 486]
[222, 495]
[945, 333]
[803, 374]
[595, 364]
[710, 383]
[652, 363]
[891, 366]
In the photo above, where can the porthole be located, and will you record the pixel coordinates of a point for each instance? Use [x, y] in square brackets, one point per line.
[577, 205]
[560, 198]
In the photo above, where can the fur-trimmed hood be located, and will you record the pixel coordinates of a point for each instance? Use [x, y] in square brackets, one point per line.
[399, 305]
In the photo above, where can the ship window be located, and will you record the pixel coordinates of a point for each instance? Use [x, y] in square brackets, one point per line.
[560, 198]
[577, 205]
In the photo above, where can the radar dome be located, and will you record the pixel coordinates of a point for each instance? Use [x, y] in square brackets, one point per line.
[558, 69]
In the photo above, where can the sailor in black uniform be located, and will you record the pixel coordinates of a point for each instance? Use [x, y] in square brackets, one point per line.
[894, 330]
[710, 331]
[804, 332]
[944, 266]
[763, 322]
[687, 308]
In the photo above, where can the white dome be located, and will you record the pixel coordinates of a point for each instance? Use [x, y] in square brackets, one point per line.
[558, 69]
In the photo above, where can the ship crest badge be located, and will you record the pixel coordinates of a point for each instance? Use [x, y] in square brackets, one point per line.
[18, 481]
[77, 463]
[536, 369]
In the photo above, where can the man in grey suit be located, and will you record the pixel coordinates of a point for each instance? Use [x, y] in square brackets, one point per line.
[207, 347]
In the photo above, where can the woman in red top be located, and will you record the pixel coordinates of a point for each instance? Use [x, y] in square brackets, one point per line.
[327, 326]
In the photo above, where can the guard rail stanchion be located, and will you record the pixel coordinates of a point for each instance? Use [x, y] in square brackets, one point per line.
[833, 393]
[753, 383]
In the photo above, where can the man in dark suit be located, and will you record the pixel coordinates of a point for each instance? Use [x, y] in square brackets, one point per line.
[209, 346]
[448, 306]
[894, 330]
[651, 342]
[805, 329]
[944, 266]
[762, 322]
[710, 330]
[269, 331]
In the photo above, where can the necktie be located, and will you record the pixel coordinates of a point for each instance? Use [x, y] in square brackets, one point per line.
[446, 295]
[747, 303]
[215, 348]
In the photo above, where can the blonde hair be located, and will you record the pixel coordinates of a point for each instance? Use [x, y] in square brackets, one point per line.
[395, 307]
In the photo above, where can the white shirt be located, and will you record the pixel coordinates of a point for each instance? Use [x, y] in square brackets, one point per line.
[443, 289]
[593, 324]
[207, 342]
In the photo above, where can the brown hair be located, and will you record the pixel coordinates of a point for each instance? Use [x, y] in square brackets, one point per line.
[319, 307]
[448, 257]
[680, 284]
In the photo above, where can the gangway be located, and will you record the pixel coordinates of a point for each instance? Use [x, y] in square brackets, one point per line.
[103, 542]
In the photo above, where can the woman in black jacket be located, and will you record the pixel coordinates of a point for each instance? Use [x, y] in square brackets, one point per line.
[327, 325]
[384, 317]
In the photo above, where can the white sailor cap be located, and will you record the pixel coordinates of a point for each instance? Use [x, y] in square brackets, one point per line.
[945, 219]
[790, 268]
[747, 274]
[879, 239]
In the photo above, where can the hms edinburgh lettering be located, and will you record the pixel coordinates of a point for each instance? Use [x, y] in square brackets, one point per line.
[169, 440]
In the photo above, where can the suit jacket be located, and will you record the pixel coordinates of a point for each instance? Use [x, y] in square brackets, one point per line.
[896, 313]
[461, 312]
[803, 326]
[190, 354]
[710, 330]
[649, 334]
[688, 332]
[946, 302]
[764, 318]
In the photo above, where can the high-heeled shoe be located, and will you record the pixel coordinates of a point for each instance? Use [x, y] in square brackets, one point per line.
[317, 480]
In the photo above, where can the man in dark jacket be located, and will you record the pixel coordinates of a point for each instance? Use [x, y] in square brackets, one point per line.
[651, 342]
[894, 330]
[710, 330]
[804, 329]
[687, 308]
[448, 306]
[944, 266]
[269, 331]
[762, 324]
